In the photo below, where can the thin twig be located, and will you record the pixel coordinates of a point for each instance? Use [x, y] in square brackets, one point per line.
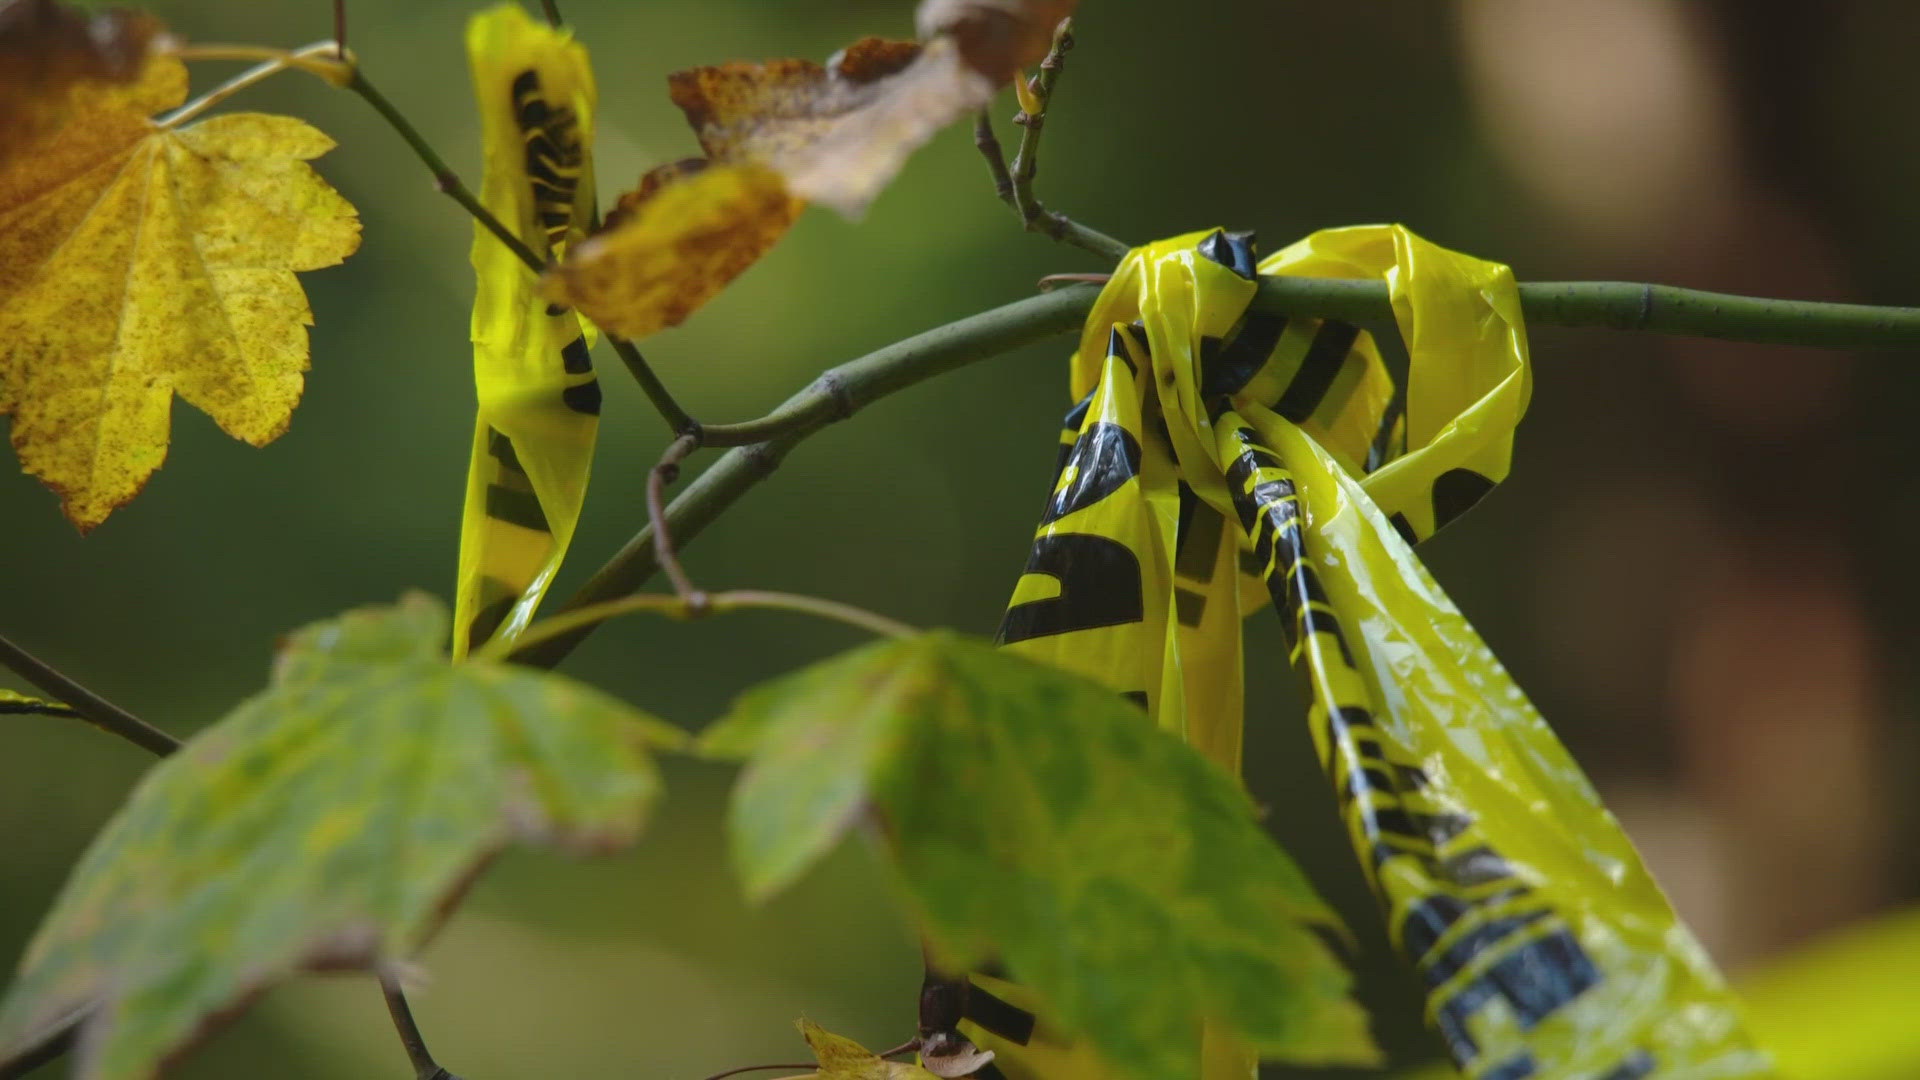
[834, 396]
[663, 401]
[1054, 281]
[448, 181]
[424, 1067]
[858, 617]
[662, 474]
[575, 621]
[272, 62]
[826, 399]
[989, 146]
[553, 13]
[724, 1073]
[91, 707]
[1015, 184]
[443, 177]
[340, 30]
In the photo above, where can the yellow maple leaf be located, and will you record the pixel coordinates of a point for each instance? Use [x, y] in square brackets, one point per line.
[48, 48]
[138, 261]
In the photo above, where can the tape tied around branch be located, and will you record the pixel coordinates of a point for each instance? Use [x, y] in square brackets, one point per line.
[1220, 461]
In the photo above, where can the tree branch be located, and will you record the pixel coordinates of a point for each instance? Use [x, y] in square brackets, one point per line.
[444, 177]
[1630, 305]
[843, 390]
[91, 707]
[448, 181]
[988, 144]
[834, 396]
[666, 472]
[1015, 185]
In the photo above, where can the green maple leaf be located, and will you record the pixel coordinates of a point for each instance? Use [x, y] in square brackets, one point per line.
[328, 821]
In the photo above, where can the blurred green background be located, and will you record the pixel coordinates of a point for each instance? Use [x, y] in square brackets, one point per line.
[1700, 567]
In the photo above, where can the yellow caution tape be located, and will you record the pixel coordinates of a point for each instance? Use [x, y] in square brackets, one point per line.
[539, 401]
[1221, 459]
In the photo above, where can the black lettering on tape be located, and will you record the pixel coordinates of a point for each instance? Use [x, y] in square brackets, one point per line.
[1103, 459]
[1455, 492]
[1100, 585]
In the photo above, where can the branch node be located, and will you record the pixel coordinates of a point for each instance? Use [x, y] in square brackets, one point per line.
[662, 474]
[762, 459]
[1036, 96]
[989, 146]
[831, 384]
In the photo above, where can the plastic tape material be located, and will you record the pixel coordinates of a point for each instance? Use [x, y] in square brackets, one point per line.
[539, 402]
[1220, 461]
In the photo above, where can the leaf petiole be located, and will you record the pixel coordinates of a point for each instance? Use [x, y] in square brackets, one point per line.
[310, 59]
[675, 607]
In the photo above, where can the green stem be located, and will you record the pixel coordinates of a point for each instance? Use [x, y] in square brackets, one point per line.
[761, 444]
[443, 177]
[858, 617]
[834, 396]
[666, 472]
[1667, 309]
[577, 621]
[1629, 305]
[91, 707]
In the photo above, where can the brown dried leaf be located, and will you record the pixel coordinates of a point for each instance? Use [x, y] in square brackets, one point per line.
[780, 134]
[47, 48]
[997, 38]
[673, 243]
[838, 132]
